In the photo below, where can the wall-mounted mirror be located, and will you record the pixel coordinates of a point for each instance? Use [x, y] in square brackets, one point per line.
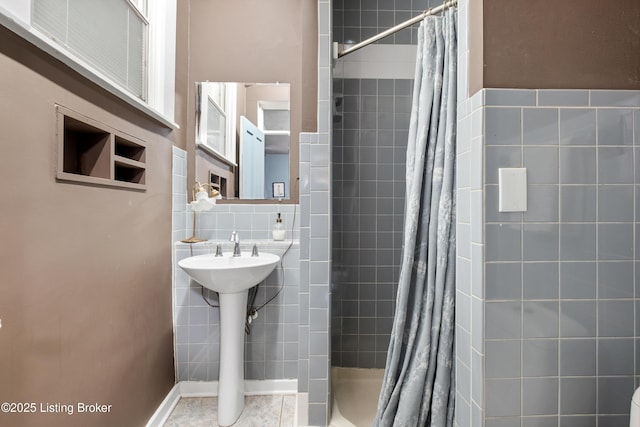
[243, 132]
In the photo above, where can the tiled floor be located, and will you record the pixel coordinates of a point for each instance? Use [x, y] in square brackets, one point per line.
[259, 411]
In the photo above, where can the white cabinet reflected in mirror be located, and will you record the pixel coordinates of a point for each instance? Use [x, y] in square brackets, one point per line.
[244, 128]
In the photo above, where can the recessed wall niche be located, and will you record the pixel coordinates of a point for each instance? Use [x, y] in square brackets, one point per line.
[93, 153]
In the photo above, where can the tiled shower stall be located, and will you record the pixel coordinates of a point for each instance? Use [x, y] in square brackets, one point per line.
[369, 150]
[372, 94]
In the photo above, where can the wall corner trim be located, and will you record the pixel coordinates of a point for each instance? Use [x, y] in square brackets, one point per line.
[161, 415]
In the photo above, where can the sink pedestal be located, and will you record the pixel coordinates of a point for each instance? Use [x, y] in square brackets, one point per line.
[233, 308]
[230, 276]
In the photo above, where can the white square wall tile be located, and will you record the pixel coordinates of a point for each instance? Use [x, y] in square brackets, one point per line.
[320, 202]
[324, 53]
[324, 18]
[319, 155]
[319, 179]
[319, 249]
[324, 10]
[305, 137]
[324, 115]
[476, 164]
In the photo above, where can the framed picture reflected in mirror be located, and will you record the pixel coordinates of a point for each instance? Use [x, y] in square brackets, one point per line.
[278, 189]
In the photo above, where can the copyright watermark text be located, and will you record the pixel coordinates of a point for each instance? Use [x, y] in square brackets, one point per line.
[55, 408]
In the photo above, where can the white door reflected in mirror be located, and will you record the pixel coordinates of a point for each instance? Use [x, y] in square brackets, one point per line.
[252, 159]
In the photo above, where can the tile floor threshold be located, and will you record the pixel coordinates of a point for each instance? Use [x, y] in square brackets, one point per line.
[259, 411]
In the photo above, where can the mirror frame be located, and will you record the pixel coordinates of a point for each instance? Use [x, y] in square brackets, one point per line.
[208, 163]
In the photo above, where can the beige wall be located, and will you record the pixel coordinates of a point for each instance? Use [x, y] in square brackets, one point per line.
[588, 44]
[182, 74]
[475, 41]
[85, 288]
[257, 93]
[254, 41]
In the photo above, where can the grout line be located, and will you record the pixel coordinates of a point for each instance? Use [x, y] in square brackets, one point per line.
[597, 256]
[522, 258]
[559, 211]
[635, 312]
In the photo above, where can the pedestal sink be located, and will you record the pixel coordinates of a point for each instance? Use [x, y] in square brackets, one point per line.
[231, 277]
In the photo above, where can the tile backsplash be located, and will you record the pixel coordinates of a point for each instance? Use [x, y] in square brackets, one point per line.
[251, 222]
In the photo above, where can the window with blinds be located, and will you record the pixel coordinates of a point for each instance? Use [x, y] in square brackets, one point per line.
[110, 35]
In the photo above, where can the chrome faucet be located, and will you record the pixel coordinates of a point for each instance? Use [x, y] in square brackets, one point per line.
[236, 246]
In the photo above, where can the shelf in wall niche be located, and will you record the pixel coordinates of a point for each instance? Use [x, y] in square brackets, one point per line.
[129, 150]
[86, 149]
[127, 173]
[93, 153]
[129, 160]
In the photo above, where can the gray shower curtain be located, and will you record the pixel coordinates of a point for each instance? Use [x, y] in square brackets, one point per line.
[418, 387]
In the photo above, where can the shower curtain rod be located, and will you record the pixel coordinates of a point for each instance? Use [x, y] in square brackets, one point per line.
[339, 50]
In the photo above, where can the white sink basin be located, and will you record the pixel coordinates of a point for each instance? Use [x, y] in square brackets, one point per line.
[228, 274]
[231, 277]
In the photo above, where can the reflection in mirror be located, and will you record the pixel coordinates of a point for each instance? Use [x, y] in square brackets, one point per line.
[245, 129]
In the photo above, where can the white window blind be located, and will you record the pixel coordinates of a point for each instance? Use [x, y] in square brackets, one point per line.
[110, 35]
[216, 128]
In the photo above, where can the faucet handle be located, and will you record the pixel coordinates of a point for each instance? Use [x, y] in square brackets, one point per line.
[236, 243]
[254, 252]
